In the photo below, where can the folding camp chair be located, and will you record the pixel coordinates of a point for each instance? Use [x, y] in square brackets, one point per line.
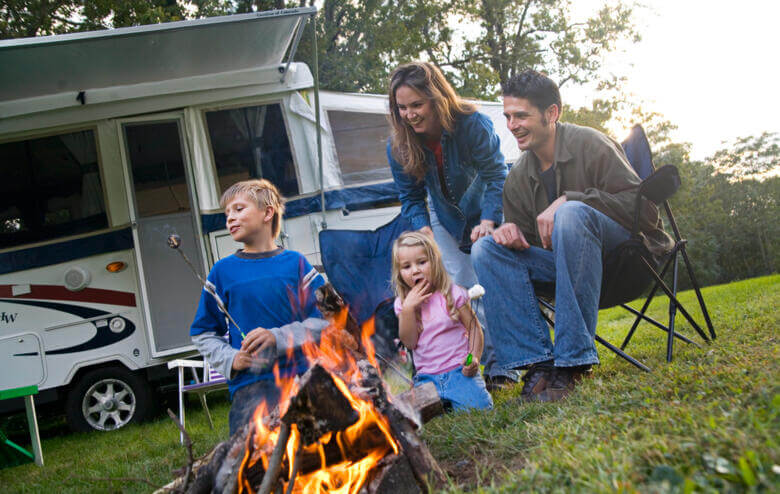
[630, 269]
[211, 381]
[357, 263]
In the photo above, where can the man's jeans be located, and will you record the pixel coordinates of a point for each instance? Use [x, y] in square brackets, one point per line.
[458, 266]
[582, 236]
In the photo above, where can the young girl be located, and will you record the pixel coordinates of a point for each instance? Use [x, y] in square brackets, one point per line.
[436, 321]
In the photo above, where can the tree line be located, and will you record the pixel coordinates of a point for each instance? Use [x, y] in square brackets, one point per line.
[728, 205]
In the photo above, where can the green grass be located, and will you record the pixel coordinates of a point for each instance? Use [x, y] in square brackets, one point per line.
[707, 422]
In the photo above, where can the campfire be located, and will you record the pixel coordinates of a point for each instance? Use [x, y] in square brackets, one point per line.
[335, 430]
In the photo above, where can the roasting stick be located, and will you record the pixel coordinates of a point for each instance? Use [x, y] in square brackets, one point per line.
[275, 463]
[174, 242]
[296, 465]
[475, 293]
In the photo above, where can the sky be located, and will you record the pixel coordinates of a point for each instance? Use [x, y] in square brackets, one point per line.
[711, 67]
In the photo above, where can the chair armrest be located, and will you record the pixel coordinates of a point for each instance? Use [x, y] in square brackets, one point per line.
[185, 363]
[661, 184]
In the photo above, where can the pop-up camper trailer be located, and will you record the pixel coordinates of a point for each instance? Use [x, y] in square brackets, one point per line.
[112, 140]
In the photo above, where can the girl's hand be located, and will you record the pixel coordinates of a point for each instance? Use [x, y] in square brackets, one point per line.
[418, 294]
[471, 369]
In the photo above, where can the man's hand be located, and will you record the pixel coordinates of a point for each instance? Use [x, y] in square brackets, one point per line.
[484, 229]
[509, 235]
[426, 230]
[546, 220]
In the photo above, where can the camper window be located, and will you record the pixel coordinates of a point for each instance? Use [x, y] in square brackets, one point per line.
[360, 145]
[50, 188]
[251, 142]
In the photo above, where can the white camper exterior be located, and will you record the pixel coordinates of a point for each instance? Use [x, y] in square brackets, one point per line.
[112, 140]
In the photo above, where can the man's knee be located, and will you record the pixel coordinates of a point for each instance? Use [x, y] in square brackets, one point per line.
[482, 250]
[571, 218]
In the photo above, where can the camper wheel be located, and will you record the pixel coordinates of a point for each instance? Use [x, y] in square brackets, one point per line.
[107, 399]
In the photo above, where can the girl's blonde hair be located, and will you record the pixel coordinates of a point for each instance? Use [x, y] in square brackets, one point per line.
[428, 80]
[263, 193]
[440, 281]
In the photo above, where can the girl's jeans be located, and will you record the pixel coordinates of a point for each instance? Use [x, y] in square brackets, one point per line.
[581, 238]
[462, 392]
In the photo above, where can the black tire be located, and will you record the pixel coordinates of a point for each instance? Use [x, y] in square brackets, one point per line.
[108, 398]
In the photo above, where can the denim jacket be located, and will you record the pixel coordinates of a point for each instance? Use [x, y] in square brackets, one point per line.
[474, 170]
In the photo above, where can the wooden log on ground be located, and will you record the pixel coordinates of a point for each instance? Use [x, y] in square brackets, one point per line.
[394, 476]
[424, 465]
[424, 400]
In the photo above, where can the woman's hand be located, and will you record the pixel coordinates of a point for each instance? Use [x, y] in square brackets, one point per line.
[471, 369]
[484, 229]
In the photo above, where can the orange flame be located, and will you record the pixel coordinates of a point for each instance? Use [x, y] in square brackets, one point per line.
[337, 353]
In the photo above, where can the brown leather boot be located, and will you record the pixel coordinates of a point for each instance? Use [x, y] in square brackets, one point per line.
[536, 380]
[562, 382]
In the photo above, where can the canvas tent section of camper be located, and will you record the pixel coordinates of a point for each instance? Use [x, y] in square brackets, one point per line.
[110, 141]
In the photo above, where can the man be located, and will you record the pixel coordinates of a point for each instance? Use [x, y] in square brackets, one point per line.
[568, 201]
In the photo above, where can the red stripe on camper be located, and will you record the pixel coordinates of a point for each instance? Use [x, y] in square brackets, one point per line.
[55, 292]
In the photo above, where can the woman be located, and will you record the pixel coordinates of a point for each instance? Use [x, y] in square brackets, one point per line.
[441, 149]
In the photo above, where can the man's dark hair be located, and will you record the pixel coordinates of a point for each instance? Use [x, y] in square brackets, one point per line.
[537, 88]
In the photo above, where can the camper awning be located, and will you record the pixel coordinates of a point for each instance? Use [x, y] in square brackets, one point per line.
[47, 65]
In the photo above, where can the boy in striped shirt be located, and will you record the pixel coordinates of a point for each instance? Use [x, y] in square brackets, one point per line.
[268, 291]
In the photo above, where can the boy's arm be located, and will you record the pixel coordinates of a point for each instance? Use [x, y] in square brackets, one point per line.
[217, 352]
[292, 336]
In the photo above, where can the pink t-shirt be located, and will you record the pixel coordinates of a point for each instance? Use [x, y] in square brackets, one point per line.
[443, 343]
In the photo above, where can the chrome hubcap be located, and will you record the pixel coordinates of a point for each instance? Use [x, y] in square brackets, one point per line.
[108, 404]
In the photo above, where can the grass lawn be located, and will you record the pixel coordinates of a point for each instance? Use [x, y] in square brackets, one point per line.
[708, 422]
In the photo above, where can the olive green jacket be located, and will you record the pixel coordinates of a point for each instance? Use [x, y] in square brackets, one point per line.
[589, 167]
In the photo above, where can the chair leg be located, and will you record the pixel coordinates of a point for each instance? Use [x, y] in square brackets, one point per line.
[671, 296]
[601, 340]
[181, 403]
[657, 324]
[202, 397]
[646, 306]
[672, 313]
[623, 354]
[699, 296]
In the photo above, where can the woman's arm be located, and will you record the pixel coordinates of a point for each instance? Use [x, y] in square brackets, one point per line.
[486, 154]
[411, 193]
[476, 339]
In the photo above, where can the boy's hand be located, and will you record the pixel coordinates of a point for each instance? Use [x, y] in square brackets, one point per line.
[242, 360]
[418, 294]
[257, 341]
[471, 369]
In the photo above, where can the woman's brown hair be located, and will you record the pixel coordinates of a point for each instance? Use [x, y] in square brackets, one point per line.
[428, 80]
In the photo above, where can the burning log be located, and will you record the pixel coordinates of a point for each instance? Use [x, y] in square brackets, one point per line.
[335, 428]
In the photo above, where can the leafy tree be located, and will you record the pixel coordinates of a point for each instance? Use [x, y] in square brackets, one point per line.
[750, 157]
[542, 34]
[25, 18]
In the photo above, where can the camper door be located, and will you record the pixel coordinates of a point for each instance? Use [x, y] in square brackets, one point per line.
[163, 202]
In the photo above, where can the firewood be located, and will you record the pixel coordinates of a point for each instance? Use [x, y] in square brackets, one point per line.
[423, 399]
[394, 476]
[424, 465]
[319, 406]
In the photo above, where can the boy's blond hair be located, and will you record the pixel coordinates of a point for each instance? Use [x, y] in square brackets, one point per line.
[263, 193]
